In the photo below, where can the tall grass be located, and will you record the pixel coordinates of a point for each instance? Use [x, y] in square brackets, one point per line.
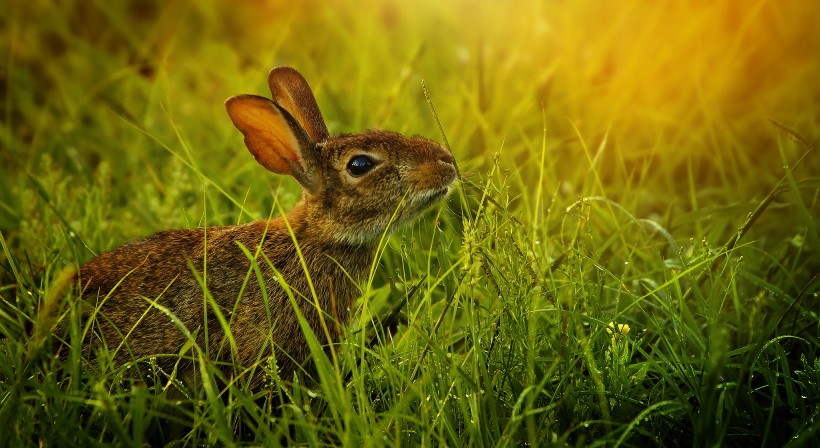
[632, 260]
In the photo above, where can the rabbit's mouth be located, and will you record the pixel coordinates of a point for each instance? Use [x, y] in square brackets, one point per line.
[427, 198]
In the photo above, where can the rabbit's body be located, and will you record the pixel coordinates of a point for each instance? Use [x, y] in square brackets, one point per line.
[126, 279]
[356, 187]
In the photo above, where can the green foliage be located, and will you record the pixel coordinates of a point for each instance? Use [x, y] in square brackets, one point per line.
[632, 258]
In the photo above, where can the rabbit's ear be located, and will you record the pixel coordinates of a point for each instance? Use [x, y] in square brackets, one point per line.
[292, 92]
[275, 138]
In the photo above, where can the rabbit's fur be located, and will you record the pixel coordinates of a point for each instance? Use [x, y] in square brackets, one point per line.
[337, 225]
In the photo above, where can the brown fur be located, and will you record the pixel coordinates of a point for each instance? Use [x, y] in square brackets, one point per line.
[337, 225]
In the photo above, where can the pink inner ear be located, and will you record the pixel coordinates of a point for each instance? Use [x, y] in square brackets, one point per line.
[270, 151]
[268, 136]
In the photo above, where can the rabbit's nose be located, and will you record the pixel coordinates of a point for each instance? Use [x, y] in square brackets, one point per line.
[445, 156]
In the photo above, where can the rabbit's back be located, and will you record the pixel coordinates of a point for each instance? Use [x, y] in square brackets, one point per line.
[136, 286]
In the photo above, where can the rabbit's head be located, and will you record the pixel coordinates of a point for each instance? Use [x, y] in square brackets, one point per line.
[355, 185]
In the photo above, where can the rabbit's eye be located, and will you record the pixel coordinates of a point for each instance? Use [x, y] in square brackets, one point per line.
[360, 165]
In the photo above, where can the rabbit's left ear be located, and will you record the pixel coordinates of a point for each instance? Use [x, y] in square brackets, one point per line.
[276, 140]
[290, 91]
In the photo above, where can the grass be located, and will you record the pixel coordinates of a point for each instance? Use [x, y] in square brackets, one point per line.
[632, 260]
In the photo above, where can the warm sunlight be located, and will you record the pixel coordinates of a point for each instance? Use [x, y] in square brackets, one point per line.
[392, 223]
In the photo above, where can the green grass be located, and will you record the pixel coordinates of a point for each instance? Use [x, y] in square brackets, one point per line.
[620, 166]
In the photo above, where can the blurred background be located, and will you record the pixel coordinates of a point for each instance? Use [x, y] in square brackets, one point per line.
[115, 108]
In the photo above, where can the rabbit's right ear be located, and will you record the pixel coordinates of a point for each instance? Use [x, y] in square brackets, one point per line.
[276, 140]
[290, 90]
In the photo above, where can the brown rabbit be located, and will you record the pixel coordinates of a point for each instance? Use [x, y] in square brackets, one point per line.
[356, 188]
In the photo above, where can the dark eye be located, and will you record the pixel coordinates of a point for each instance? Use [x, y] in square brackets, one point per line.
[360, 165]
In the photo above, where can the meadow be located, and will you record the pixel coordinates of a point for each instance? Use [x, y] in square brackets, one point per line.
[631, 258]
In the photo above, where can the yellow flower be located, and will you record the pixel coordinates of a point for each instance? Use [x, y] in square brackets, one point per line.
[619, 328]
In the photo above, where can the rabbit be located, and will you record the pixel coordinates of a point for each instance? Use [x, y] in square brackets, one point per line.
[356, 188]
